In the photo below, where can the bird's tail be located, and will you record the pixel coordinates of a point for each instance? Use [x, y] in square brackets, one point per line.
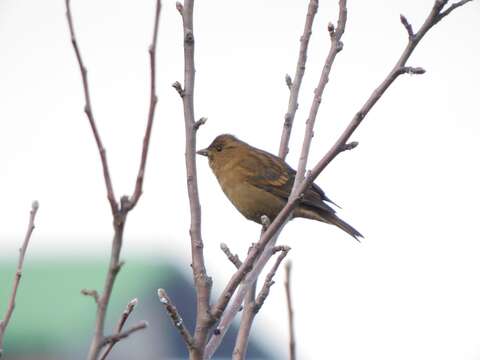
[328, 217]
[335, 220]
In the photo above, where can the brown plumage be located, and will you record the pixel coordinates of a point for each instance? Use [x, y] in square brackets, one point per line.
[259, 183]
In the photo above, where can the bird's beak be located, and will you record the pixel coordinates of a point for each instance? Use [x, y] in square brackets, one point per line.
[203, 152]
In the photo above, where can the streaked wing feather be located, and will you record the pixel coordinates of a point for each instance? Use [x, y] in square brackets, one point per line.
[277, 177]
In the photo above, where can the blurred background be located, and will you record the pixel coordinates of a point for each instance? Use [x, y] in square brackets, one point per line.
[56, 323]
[409, 290]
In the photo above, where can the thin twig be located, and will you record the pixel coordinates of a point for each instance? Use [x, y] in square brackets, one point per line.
[249, 309]
[269, 237]
[152, 50]
[297, 82]
[176, 318]
[18, 275]
[119, 211]
[291, 330]
[335, 47]
[262, 295]
[121, 322]
[350, 146]
[246, 322]
[92, 293]
[253, 304]
[242, 281]
[203, 283]
[124, 334]
[407, 26]
[234, 259]
[89, 112]
[399, 68]
[450, 8]
[273, 230]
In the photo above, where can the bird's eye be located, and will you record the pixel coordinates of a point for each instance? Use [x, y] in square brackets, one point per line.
[218, 148]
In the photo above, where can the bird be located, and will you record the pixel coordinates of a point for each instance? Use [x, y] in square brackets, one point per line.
[259, 183]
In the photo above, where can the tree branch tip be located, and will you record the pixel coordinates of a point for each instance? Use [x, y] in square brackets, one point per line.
[288, 81]
[122, 335]
[234, 259]
[407, 26]
[349, 146]
[92, 293]
[440, 4]
[200, 122]
[265, 221]
[179, 7]
[162, 295]
[331, 28]
[288, 265]
[177, 86]
[284, 248]
[412, 70]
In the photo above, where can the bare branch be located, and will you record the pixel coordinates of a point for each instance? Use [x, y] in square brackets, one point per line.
[262, 295]
[119, 213]
[303, 183]
[179, 7]
[288, 81]
[176, 318]
[92, 293]
[124, 334]
[350, 146]
[151, 111]
[247, 265]
[123, 318]
[203, 283]
[252, 305]
[249, 308]
[177, 86]
[273, 230]
[248, 315]
[89, 113]
[399, 68]
[297, 82]
[246, 276]
[200, 122]
[18, 275]
[451, 8]
[335, 47]
[234, 259]
[265, 222]
[408, 27]
[291, 332]
[411, 70]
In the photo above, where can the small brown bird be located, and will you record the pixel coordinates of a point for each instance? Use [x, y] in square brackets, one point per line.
[259, 183]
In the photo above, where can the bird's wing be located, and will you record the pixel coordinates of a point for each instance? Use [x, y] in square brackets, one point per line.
[274, 175]
[264, 170]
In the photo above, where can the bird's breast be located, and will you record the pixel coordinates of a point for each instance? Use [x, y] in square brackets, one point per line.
[250, 200]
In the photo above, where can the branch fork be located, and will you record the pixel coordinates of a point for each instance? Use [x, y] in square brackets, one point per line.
[18, 274]
[119, 212]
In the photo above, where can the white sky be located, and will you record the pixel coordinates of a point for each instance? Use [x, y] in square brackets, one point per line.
[410, 290]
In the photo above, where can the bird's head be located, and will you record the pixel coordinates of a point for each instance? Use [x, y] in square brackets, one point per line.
[221, 150]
